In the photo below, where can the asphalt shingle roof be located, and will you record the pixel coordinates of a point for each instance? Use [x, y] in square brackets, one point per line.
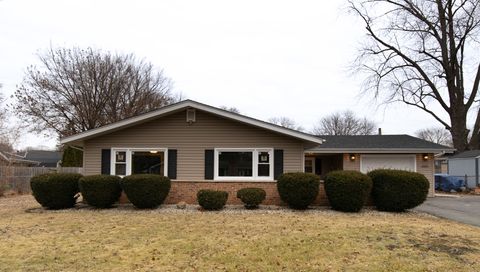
[377, 141]
[466, 154]
[44, 157]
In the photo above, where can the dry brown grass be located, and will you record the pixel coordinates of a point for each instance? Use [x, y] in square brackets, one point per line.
[166, 240]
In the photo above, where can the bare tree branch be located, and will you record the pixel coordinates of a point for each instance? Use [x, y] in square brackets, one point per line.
[344, 123]
[79, 89]
[286, 123]
[422, 53]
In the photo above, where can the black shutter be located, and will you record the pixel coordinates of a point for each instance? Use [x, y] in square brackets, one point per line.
[277, 163]
[209, 154]
[172, 163]
[106, 161]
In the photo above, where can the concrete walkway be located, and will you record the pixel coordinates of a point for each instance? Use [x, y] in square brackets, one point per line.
[464, 209]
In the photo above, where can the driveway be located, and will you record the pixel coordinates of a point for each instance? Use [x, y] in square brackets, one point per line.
[464, 209]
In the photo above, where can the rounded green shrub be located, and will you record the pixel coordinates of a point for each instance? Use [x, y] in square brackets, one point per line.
[100, 191]
[347, 191]
[298, 190]
[251, 197]
[398, 190]
[146, 191]
[55, 190]
[212, 200]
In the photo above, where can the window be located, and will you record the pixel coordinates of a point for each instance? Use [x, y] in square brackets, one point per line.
[121, 163]
[130, 161]
[309, 164]
[243, 164]
[147, 162]
[235, 164]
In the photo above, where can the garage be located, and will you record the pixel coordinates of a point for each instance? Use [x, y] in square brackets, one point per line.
[397, 161]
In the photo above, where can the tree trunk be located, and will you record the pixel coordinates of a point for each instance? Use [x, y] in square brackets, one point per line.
[459, 130]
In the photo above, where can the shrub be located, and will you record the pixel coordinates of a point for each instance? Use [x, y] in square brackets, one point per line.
[55, 190]
[211, 199]
[397, 190]
[146, 191]
[100, 191]
[251, 197]
[298, 190]
[347, 190]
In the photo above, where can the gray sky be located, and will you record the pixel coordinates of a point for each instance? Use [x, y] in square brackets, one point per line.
[267, 58]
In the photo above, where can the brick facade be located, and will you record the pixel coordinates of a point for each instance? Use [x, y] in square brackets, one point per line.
[187, 191]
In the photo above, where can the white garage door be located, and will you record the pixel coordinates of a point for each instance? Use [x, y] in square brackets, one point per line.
[401, 162]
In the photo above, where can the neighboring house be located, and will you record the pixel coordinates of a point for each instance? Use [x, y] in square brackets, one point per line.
[203, 147]
[11, 159]
[45, 158]
[466, 165]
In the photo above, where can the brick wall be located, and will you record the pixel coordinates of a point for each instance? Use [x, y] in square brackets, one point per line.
[187, 191]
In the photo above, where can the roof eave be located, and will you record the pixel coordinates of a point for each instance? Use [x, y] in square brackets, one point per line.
[379, 150]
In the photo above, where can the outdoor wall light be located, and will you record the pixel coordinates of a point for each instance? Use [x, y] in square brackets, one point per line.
[353, 157]
[154, 151]
[425, 157]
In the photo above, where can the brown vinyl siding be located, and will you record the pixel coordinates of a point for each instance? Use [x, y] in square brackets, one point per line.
[208, 132]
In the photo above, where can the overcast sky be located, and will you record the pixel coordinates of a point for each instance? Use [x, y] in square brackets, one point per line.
[266, 58]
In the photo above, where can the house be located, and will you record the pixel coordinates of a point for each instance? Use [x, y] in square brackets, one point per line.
[45, 158]
[202, 147]
[11, 159]
[465, 165]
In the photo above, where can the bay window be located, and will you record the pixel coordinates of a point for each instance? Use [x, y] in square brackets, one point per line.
[243, 164]
[129, 161]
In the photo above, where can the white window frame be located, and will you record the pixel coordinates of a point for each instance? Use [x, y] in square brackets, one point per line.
[128, 159]
[255, 153]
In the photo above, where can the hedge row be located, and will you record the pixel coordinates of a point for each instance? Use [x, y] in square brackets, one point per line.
[391, 190]
[60, 191]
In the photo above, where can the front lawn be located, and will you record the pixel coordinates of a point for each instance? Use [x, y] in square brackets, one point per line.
[176, 240]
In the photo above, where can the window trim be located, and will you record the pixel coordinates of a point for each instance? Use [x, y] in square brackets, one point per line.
[128, 159]
[255, 154]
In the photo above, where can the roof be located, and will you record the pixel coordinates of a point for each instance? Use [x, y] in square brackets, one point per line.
[466, 154]
[44, 157]
[379, 144]
[78, 138]
[16, 159]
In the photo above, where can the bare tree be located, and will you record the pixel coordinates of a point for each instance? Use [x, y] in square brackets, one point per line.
[435, 134]
[424, 53]
[286, 123]
[9, 131]
[344, 123]
[79, 89]
[230, 109]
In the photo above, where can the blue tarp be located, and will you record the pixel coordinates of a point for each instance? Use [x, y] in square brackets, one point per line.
[447, 183]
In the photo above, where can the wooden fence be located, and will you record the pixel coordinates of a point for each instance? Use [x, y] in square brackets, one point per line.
[18, 178]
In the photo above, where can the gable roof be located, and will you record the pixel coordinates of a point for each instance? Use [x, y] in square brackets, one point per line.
[466, 155]
[379, 144]
[78, 138]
